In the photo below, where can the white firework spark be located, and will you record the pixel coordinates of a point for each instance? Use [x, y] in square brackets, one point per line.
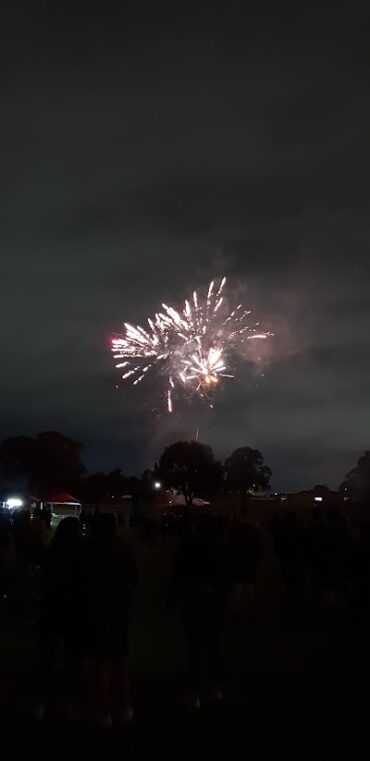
[191, 347]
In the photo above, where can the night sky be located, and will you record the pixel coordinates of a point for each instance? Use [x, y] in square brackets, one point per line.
[145, 151]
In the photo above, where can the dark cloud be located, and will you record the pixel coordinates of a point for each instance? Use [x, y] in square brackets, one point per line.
[147, 149]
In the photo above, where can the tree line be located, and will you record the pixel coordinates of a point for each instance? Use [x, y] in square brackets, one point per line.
[52, 461]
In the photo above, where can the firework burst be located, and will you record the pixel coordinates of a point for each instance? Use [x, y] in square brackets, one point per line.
[192, 348]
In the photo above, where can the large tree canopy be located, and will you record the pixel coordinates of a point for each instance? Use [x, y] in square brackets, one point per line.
[190, 467]
[245, 470]
[357, 482]
[103, 487]
[49, 461]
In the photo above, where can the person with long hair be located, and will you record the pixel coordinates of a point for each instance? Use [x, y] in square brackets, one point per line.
[61, 609]
[111, 579]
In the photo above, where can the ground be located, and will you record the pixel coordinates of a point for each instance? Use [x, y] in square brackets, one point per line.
[289, 692]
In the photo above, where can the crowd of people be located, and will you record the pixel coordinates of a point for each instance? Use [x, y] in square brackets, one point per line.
[323, 562]
[29, 532]
[215, 556]
[89, 583]
[89, 578]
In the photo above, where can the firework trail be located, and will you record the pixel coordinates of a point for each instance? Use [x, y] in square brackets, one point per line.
[191, 348]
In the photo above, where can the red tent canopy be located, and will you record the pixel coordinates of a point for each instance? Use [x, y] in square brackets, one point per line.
[60, 498]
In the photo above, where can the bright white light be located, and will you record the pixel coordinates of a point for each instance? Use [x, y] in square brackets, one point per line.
[318, 499]
[157, 484]
[14, 502]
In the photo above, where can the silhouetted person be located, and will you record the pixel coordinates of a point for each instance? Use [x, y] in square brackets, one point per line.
[47, 515]
[317, 560]
[110, 582]
[338, 555]
[132, 521]
[95, 517]
[359, 610]
[121, 520]
[35, 538]
[289, 543]
[61, 609]
[245, 553]
[5, 541]
[5, 529]
[21, 523]
[83, 517]
[164, 525]
[360, 580]
[199, 585]
[88, 521]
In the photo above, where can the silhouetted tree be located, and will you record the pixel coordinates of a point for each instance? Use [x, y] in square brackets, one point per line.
[245, 470]
[103, 487]
[94, 488]
[17, 460]
[321, 489]
[190, 467]
[357, 482]
[50, 461]
[133, 485]
[58, 461]
[148, 478]
[116, 482]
